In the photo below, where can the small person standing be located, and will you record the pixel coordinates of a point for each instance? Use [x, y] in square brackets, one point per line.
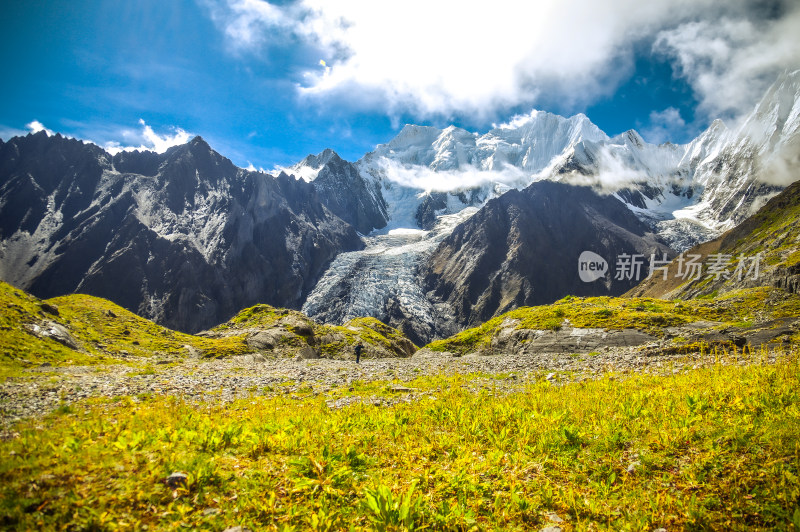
[359, 348]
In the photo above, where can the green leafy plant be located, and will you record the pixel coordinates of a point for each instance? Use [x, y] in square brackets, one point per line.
[387, 512]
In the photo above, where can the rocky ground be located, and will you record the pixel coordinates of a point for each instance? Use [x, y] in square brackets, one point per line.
[46, 388]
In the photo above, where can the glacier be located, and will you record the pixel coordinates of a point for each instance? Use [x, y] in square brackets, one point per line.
[381, 280]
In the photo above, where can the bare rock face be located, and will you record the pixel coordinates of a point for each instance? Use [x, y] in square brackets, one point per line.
[268, 340]
[568, 340]
[523, 248]
[184, 238]
[344, 191]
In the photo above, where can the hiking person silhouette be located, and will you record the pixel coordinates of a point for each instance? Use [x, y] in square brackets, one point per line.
[359, 348]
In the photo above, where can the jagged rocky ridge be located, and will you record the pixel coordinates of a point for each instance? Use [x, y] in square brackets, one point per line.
[344, 191]
[184, 238]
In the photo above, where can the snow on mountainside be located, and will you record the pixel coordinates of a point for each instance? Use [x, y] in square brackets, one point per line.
[425, 169]
[686, 193]
[746, 168]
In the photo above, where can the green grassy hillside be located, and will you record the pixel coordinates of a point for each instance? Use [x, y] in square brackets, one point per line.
[100, 332]
[772, 233]
[738, 308]
[86, 330]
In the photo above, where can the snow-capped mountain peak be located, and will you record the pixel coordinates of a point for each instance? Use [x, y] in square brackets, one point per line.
[709, 183]
[777, 115]
[308, 169]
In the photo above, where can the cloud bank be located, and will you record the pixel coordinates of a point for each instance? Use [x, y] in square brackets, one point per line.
[445, 57]
[730, 61]
[145, 139]
[423, 178]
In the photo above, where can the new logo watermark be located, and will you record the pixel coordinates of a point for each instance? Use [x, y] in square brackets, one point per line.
[592, 266]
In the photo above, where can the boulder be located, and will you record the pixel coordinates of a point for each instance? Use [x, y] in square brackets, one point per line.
[49, 308]
[268, 339]
[298, 325]
[308, 353]
[54, 331]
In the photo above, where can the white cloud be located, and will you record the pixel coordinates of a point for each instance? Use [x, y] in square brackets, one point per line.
[780, 166]
[146, 139]
[7, 132]
[664, 126]
[729, 62]
[245, 21]
[448, 56]
[252, 168]
[613, 174]
[35, 126]
[423, 178]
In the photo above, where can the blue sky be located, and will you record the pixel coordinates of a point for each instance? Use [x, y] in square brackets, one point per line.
[267, 84]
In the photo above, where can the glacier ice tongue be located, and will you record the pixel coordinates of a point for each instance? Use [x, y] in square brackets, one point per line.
[383, 276]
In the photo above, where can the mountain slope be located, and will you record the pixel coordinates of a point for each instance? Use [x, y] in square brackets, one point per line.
[686, 193]
[523, 248]
[185, 238]
[767, 245]
[755, 310]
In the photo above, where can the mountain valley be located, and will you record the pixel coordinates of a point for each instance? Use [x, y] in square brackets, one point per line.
[411, 234]
[634, 395]
[184, 421]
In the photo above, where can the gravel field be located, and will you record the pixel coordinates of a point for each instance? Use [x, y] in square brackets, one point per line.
[45, 388]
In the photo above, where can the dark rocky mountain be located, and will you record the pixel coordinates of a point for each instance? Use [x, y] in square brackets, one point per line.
[344, 191]
[523, 248]
[184, 238]
[764, 250]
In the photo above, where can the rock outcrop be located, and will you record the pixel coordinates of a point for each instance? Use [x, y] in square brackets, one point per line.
[282, 332]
